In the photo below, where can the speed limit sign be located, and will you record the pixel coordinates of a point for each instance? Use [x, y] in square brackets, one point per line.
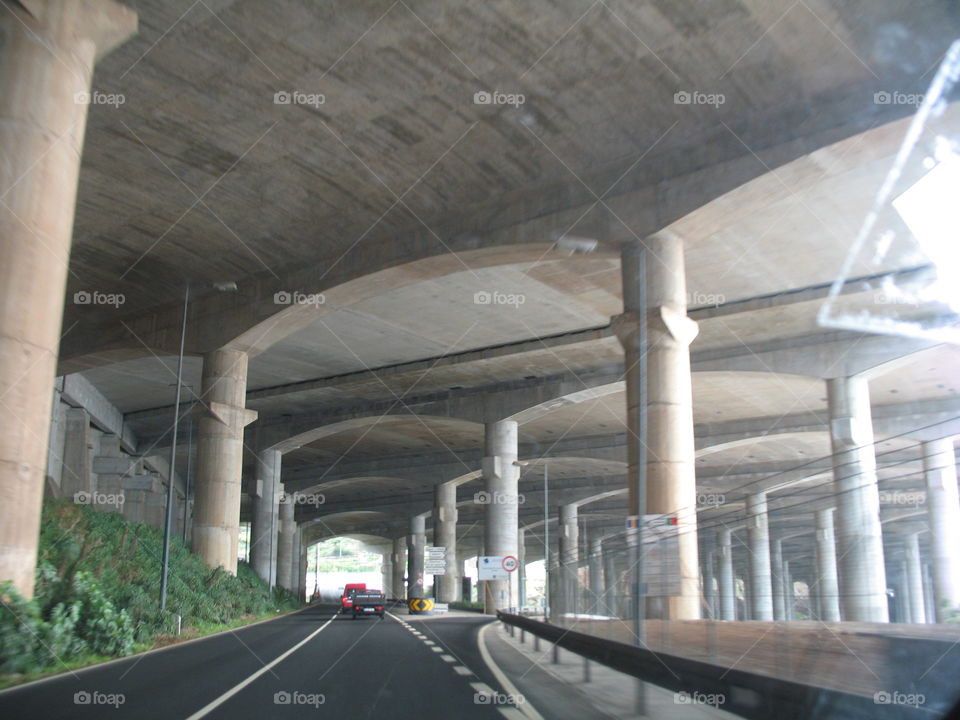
[509, 563]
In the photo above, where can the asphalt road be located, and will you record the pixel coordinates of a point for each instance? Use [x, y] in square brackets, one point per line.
[312, 662]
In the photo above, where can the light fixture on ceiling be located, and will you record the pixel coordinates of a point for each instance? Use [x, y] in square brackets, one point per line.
[226, 286]
[573, 244]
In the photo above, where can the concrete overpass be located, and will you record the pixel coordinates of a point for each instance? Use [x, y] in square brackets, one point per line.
[424, 311]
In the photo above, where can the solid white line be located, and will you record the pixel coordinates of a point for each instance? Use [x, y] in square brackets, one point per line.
[526, 707]
[207, 709]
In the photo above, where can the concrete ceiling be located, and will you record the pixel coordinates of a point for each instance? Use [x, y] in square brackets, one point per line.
[288, 186]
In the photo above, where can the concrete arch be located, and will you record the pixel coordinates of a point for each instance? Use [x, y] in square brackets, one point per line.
[393, 419]
[376, 482]
[344, 523]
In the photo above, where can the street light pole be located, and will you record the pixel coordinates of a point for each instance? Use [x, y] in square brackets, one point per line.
[168, 515]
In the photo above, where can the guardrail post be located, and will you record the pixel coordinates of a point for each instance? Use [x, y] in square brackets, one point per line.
[586, 670]
[536, 643]
[556, 654]
[523, 636]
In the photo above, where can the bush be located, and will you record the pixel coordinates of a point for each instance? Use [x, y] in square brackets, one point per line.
[98, 586]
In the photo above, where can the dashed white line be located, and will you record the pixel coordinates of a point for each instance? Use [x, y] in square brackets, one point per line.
[461, 670]
[448, 658]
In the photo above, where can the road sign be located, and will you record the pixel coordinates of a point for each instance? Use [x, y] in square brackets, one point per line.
[420, 605]
[435, 567]
[509, 563]
[490, 567]
[435, 551]
[441, 607]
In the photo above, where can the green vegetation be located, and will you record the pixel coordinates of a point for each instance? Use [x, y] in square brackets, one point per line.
[98, 583]
[478, 606]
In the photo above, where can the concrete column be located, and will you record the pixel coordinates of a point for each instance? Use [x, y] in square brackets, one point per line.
[47, 58]
[521, 569]
[77, 474]
[595, 573]
[656, 269]
[501, 477]
[929, 599]
[445, 535]
[55, 446]
[776, 580]
[569, 532]
[286, 537]
[943, 510]
[914, 578]
[416, 542]
[902, 597]
[863, 581]
[826, 557]
[386, 573]
[216, 514]
[610, 583]
[301, 565]
[789, 599]
[266, 516]
[707, 557]
[728, 599]
[758, 538]
[399, 567]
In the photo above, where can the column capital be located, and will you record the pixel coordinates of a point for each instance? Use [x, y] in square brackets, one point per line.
[105, 23]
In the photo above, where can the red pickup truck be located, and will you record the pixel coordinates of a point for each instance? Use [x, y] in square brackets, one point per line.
[349, 590]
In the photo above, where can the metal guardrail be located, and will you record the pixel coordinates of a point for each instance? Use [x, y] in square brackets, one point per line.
[747, 694]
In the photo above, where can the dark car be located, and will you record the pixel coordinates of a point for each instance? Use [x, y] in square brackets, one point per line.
[368, 602]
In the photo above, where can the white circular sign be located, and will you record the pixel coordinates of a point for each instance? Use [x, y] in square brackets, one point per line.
[509, 563]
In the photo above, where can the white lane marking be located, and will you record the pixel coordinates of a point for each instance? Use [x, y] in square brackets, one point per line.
[461, 670]
[207, 709]
[429, 642]
[437, 649]
[526, 708]
[448, 658]
[482, 688]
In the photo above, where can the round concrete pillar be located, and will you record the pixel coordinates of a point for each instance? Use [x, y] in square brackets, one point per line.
[416, 544]
[266, 520]
[286, 538]
[445, 535]
[47, 59]
[399, 567]
[654, 285]
[859, 540]
[828, 607]
[569, 558]
[914, 578]
[728, 605]
[595, 573]
[943, 510]
[776, 580]
[758, 538]
[501, 476]
[216, 515]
